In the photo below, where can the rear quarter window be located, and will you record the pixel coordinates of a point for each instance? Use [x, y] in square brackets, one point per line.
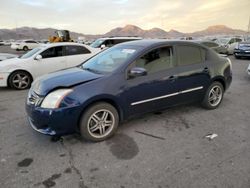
[188, 55]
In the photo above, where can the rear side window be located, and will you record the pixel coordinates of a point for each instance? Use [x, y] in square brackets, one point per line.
[238, 40]
[76, 50]
[52, 52]
[156, 60]
[188, 55]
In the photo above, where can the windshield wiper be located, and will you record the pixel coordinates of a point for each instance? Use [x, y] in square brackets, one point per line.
[91, 70]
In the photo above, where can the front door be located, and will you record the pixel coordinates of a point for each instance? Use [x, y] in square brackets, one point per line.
[155, 90]
[53, 59]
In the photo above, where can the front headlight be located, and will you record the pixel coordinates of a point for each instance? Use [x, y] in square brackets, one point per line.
[54, 99]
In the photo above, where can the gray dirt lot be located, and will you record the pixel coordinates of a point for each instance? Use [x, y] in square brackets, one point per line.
[178, 156]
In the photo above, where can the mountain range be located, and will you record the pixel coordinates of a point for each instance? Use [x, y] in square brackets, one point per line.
[128, 30]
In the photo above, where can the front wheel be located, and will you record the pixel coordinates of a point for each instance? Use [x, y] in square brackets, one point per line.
[20, 80]
[99, 122]
[236, 57]
[213, 96]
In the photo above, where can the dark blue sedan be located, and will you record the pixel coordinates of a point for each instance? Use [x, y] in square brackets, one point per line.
[242, 50]
[126, 80]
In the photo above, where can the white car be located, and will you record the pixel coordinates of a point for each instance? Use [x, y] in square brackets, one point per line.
[229, 43]
[108, 42]
[4, 56]
[25, 45]
[19, 73]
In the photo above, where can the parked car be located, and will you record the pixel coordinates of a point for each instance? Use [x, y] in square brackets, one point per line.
[18, 73]
[229, 43]
[8, 42]
[215, 46]
[111, 41]
[25, 45]
[4, 56]
[126, 80]
[248, 70]
[242, 50]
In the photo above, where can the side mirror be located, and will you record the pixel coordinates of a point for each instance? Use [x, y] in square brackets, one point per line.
[38, 57]
[136, 72]
[103, 46]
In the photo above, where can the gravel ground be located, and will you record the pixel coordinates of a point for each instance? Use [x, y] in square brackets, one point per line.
[157, 150]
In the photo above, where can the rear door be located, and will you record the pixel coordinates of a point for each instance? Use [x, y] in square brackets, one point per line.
[53, 59]
[193, 72]
[76, 55]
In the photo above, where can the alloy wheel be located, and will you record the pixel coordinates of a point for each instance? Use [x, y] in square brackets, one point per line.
[215, 95]
[21, 81]
[101, 123]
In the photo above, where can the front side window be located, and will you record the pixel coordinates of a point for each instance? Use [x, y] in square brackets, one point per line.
[109, 60]
[109, 43]
[156, 60]
[76, 50]
[188, 55]
[52, 52]
[232, 41]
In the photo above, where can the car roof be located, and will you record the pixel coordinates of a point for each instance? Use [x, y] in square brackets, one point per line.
[155, 42]
[106, 38]
[62, 44]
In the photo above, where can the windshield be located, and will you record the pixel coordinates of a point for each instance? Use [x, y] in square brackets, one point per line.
[108, 60]
[97, 43]
[224, 40]
[30, 53]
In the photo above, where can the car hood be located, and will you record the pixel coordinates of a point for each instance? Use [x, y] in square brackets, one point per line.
[9, 64]
[62, 79]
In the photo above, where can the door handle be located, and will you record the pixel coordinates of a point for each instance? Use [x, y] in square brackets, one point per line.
[173, 78]
[205, 70]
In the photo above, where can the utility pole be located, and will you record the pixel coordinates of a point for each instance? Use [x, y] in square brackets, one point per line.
[249, 26]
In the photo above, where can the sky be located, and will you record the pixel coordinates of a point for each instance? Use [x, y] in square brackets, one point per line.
[100, 16]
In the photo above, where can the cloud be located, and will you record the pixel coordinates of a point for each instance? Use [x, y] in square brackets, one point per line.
[99, 16]
[33, 3]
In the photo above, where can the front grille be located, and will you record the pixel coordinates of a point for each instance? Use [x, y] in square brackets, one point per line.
[34, 98]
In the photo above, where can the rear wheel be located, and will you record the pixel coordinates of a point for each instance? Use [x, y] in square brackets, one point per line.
[99, 122]
[213, 96]
[25, 48]
[20, 80]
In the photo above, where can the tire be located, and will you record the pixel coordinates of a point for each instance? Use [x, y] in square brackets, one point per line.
[237, 57]
[20, 80]
[25, 48]
[99, 122]
[213, 96]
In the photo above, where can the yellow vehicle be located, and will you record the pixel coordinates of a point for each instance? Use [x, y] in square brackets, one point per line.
[61, 36]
